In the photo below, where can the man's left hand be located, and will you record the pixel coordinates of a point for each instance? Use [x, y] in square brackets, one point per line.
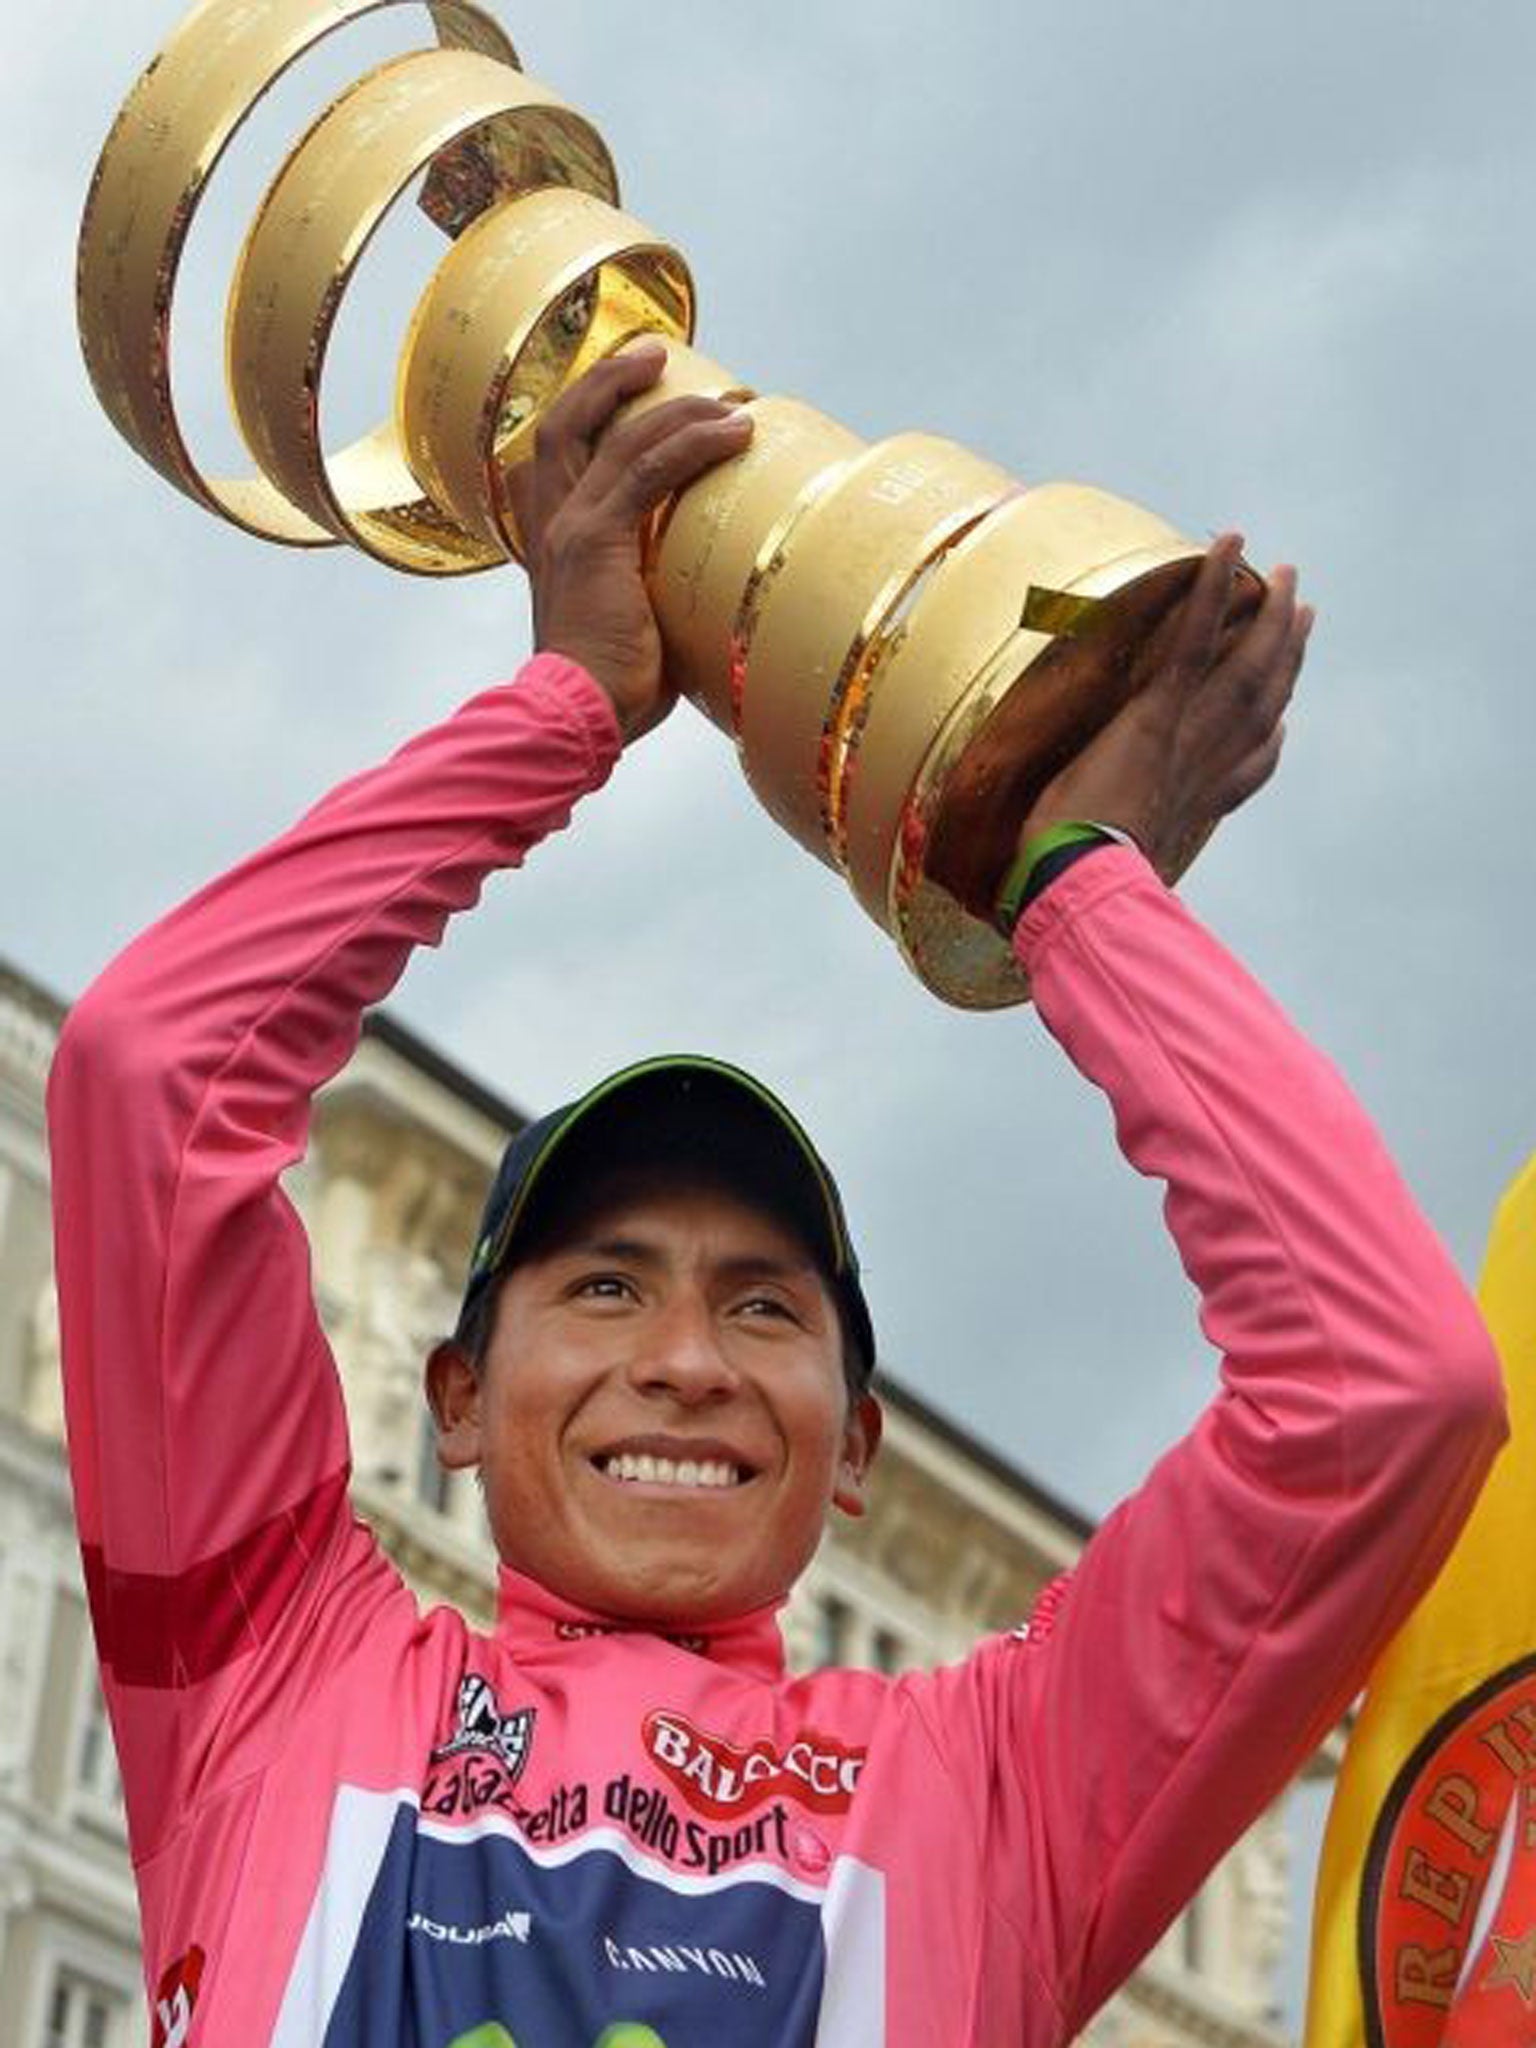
[1205, 734]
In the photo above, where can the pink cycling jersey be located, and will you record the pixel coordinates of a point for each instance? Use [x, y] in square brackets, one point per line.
[358, 1825]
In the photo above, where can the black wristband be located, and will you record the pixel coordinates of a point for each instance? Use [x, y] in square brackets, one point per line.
[1055, 863]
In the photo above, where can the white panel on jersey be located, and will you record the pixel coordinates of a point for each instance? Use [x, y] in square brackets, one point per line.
[361, 1823]
[853, 1926]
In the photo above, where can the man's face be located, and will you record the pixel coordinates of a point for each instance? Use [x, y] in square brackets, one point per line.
[661, 1420]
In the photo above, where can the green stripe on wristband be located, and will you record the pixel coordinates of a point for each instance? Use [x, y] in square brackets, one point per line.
[1015, 884]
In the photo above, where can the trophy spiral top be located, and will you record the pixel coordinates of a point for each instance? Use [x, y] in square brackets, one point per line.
[303, 248]
[528, 299]
[175, 125]
[902, 640]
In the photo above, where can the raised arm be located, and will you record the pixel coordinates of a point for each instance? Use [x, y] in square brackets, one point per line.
[1224, 1615]
[206, 1431]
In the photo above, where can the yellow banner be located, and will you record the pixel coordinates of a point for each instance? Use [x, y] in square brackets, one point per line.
[1424, 1927]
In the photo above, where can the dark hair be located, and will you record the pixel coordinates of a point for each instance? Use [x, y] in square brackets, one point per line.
[558, 1211]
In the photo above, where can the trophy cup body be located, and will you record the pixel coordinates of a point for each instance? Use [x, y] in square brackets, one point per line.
[862, 619]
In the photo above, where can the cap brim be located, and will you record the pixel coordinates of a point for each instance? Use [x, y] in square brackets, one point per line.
[694, 1102]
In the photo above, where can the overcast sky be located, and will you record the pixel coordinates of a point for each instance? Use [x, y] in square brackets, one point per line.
[1268, 268]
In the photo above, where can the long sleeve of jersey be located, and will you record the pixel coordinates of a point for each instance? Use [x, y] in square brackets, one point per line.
[1225, 1614]
[207, 1436]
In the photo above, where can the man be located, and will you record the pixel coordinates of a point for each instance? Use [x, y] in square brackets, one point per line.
[615, 1820]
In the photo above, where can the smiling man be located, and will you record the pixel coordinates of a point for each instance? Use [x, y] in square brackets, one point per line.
[668, 1251]
[614, 1821]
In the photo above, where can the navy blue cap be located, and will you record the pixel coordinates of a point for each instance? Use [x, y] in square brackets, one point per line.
[684, 1107]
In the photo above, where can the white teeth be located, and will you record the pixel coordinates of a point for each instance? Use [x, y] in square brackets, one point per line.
[647, 1470]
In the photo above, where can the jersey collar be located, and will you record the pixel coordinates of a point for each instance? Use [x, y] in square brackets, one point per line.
[533, 1622]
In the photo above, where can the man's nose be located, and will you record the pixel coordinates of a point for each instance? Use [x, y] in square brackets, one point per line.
[681, 1354]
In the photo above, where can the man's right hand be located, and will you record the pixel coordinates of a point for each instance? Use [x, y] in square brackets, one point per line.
[581, 505]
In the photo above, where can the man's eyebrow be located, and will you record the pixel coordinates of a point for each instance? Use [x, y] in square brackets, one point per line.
[767, 1266]
[625, 1250]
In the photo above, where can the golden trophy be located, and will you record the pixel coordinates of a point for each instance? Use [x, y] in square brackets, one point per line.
[901, 639]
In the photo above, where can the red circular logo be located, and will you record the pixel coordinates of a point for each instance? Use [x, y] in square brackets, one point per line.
[1431, 1855]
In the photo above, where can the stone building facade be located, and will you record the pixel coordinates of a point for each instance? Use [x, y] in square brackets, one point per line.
[957, 1541]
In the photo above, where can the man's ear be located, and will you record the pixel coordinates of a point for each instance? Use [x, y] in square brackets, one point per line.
[453, 1395]
[861, 1440]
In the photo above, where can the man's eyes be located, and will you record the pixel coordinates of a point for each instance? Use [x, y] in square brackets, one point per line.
[766, 1305]
[608, 1286]
[603, 1286]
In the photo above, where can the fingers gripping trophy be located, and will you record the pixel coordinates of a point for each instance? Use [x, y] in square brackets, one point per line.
[905, 643]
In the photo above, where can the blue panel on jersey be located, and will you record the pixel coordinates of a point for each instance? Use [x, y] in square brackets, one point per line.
[474, 1945]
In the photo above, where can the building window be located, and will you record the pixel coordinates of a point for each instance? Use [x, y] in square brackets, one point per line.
[80, 2014]
[887, 1651]
[834, 1626]
[433, 1481]
[96, 1773]
[1192, 1935]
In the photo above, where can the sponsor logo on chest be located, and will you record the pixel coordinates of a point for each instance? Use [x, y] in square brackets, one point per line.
[722, 1779]
[483, 1727]
[481, 1762]
[510, 1927]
